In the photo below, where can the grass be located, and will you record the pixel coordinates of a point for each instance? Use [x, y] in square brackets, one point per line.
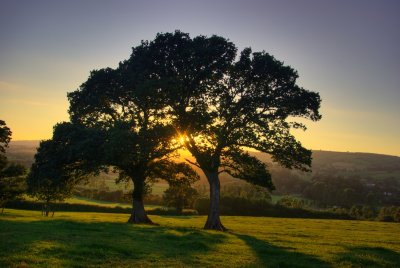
[93, 202]
[73, 239]
[88, 201]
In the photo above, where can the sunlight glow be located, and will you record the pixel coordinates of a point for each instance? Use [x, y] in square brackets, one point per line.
[183, 139]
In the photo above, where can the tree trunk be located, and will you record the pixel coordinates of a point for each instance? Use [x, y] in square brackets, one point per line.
[179, 206]
[138, 214]
[45, 209]
[213, 221]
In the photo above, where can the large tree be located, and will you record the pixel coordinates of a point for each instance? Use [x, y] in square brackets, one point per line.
[221, 105]
[123, 104]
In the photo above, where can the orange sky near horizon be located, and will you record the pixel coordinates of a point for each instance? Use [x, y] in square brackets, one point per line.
[331, 133]
[345, 50]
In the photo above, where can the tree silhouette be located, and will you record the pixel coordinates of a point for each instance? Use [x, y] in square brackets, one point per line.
[12, 181]
[5, 136]
[196, 91]
[68, 158]
[125, 106]
[220, 106]
[180, 178]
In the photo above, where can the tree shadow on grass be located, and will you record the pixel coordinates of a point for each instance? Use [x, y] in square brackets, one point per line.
[368, 257]
[81, 244]
[275, 256]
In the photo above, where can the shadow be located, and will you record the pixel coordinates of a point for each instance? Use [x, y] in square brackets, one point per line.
[368, 257]
[275, 256]
[63, 243]
[177, 216]
[71, 243]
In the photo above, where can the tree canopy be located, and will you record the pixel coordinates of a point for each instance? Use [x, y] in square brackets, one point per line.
[123, 104]
[201, 92]
[222, 104]
[60, 163]
[5, 136]
[12, 180]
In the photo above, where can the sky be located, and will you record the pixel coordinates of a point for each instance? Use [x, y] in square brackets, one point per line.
[347, 50]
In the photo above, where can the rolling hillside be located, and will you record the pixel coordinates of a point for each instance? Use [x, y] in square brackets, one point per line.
[73, 239]
[365, 165]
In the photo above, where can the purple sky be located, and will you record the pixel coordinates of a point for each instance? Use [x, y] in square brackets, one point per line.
[346, 50]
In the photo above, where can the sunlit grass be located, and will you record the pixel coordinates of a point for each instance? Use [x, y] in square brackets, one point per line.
[104, 240]
[87, 201]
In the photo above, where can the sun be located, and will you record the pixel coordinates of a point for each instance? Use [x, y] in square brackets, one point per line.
[183, 139]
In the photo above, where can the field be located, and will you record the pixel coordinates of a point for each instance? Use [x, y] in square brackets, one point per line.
[87, 201]
[105, 240]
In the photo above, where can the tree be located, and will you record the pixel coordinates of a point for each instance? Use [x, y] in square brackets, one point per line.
[124, 104]
[48, 179]
[5, 136]
[221, 106]
[180, 193]
[291, 202]
[12, 181]
[70, 157]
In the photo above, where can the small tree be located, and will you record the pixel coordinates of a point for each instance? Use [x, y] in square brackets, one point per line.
[389, 214]
[12, 179]
[12, 183]
[291, 202]
[47, 181]
[61, 163]
[5, 136]
[180, 193]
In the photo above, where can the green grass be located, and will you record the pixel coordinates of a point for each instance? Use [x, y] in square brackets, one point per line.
[88, 201]
[93, 202]
[73, 239]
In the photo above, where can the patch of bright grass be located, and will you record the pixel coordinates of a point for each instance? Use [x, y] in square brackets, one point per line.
[88, 201]
[106, 240]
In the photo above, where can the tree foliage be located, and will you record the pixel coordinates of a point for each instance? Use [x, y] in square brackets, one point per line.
[222, 105]
[180, 177]
[198, 90]
[12, 183]
[64, 161]
[12, 180]
[125, 105]
[5, 136]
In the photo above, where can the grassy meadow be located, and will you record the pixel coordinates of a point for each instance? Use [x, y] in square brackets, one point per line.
[76, 239]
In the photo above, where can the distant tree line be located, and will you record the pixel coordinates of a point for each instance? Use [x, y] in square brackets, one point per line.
[332, 190]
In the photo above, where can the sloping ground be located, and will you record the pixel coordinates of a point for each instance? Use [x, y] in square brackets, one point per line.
[105, 240]
[24, 151]
[345, 164]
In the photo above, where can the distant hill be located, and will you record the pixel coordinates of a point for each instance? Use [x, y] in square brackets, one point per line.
[22, 152]
[341, 163]
[381, 173]
[346, 164]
